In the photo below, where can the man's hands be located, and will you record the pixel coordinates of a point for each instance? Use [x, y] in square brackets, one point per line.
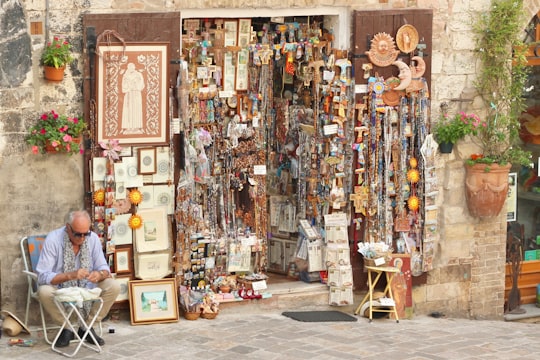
[94, 276]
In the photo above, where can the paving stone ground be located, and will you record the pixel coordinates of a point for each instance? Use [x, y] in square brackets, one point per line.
[270, 335]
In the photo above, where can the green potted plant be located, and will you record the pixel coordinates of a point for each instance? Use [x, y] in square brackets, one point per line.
[501, 84]
[55, 133]
[448, 130]
[55, 57]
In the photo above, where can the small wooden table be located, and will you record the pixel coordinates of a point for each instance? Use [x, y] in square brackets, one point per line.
[389, 272]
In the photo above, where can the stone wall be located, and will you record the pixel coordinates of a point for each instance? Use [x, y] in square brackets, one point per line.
[37, 191]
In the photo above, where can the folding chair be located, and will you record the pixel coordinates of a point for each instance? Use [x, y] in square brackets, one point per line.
[31, 247]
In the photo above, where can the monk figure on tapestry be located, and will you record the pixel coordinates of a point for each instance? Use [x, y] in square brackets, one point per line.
[132, 108]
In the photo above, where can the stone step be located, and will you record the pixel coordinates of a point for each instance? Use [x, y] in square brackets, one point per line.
[287, 296]
[530, 314]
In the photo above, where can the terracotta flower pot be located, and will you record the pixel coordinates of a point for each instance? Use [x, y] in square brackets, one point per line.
[486, 190]
[60, 148]
[53, 74]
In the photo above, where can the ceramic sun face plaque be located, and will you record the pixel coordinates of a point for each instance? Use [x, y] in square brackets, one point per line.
[383, 50]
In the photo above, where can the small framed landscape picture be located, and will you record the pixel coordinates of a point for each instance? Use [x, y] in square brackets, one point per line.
[153, 301]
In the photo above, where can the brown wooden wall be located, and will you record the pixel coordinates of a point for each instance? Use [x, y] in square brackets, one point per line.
[365, 25]
[131, 27]
[368, 23]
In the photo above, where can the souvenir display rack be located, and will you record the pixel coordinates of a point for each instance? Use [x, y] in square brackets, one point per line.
[395, 181]
[276, 102]
[270, 130]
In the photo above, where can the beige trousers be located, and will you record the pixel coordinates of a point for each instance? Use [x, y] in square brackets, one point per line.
[109, 291]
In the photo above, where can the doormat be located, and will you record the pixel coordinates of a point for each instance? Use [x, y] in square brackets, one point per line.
[319, 316]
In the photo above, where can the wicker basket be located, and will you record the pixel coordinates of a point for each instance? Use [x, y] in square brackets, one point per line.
[192, 315]
[377, 261]
[209, 315]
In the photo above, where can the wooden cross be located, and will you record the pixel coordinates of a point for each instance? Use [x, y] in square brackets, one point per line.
[316, 66]
[312, 184]
[360, 199]
[265, 53]
[361, 107]
[339, 120]
[218, 55]
[191, 27]
[314, 201]
[361, 130]
[219, 34]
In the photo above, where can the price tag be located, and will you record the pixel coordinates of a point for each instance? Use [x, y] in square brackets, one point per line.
[330, 129]
[259, 285]
[259, 169]
[387, 301]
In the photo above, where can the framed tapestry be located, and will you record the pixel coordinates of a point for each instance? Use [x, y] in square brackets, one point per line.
[132, 93]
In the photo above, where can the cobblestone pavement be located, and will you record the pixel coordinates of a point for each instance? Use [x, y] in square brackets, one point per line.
[270, 335]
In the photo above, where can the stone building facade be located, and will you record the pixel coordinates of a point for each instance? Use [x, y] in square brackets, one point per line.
[38, 191]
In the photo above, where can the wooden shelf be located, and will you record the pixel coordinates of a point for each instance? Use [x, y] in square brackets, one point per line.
[528, 280]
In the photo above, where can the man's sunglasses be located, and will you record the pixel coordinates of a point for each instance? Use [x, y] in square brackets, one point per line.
[79, 234]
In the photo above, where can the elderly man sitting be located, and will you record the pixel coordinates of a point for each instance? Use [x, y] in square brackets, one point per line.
[72, 256]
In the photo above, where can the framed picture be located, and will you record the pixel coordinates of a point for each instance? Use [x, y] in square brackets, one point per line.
[242, 70]
[231, 31]
[244, 32]
[153, 235]
[132, 92]
[229, 72]
[153, 266]
[153, 301]
[164, 196]
[163, 166]
[147, 161]
[123, 259]
[123, 295]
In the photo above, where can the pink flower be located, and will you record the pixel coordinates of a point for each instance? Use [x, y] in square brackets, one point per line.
[63, 128]
[44, 116]
[35, 149]
[55, 143]
[67, 138]
[111, 149]
[43, 131]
